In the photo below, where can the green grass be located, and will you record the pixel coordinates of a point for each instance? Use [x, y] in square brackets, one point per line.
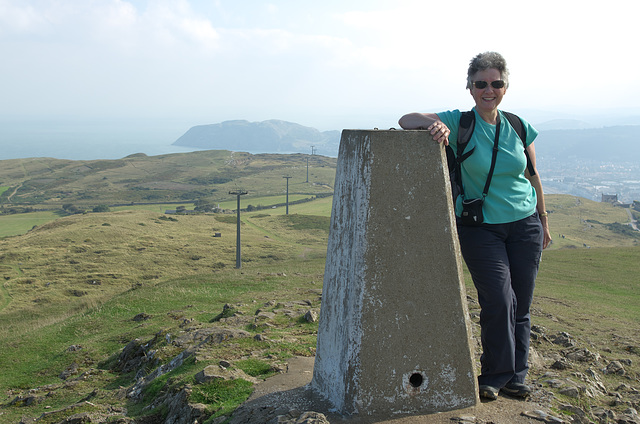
[80, 280]
[263, 201]
[255, 367]
[161, 208]
[17, 224]
[588, 290]
[601, 281]
[204, 175]
[12, 225]
[223, 396]
[576, 222]
[41, 353]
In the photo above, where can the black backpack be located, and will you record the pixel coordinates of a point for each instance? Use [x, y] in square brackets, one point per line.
[467, 125]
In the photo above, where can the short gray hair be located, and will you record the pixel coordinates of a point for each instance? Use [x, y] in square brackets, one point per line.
[488, 60]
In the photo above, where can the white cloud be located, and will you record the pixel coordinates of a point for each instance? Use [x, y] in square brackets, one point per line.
[189, 56]
[174, 23]
[19, 19]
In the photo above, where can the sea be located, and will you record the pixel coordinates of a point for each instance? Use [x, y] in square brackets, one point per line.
[89, 139]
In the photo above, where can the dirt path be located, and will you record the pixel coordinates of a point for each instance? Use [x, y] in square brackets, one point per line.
[14, 192]
[290, 391]
[632, 222]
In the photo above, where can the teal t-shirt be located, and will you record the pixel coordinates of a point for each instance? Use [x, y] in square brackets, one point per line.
[511, 197]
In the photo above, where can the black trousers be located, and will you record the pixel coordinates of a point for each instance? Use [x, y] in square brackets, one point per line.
[503, 260]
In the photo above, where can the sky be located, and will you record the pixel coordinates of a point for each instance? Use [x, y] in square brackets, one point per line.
[329, 64]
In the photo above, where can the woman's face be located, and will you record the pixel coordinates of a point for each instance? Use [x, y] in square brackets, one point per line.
[487, 99]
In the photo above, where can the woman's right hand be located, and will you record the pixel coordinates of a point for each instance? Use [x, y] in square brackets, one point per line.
[440, 132]
[426, 121]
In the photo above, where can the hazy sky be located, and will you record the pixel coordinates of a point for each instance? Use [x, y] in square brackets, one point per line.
[330, 64]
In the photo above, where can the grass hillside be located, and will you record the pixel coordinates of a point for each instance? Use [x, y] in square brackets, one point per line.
[73, 288]
[81, 280]
[81, 292]
[576, 222]
[45, 183]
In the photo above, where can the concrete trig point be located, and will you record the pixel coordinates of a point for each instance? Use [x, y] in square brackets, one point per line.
[394, 335]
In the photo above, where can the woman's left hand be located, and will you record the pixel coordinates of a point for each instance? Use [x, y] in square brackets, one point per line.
[545, 231]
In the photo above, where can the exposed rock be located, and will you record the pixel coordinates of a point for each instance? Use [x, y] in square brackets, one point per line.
[536, 361]
[555, 383]
[582, 355]
[211, 335]
[69, 371]
[141, 317]
[134, 355]
[464, 419]
[264, 315]
[288, 312]
[82, 418]
[561, 364]
[311, 316]
[24, 401]
[216, 372]
[614, 367]
[602, 414]
[541, 415]
[186, 322]
[221, 335]
[236, 320]
[192, 341]
[563, 339]
[571, 391]
[180, 411]
[74, 348]
[308, 417]
[575, 412]
[629, 416]
[260, 338]
[264, 415]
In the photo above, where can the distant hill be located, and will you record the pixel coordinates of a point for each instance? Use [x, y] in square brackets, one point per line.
[271, 136]
[563, 124]
[606, 144]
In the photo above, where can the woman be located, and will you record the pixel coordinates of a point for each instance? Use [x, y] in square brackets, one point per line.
[503, 253]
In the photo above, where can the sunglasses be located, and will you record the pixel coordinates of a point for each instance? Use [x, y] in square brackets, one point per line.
[483, 84]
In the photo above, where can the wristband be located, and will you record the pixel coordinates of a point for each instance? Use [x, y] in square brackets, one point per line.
[544, 214]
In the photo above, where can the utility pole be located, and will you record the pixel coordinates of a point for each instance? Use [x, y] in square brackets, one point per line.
[287, 177]
[308, 164]
[238, 193]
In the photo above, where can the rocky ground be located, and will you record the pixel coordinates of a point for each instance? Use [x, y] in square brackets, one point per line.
[573, 381]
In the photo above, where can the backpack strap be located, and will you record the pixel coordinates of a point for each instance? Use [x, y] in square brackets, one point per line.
[493, 160]
[465, 131]
[518, 126]
[467, 125]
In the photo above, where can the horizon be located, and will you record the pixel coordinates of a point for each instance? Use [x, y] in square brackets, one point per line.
[109, 138]
[94, 139]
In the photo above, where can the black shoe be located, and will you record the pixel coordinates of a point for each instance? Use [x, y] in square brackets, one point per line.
[520, 390]
[488, 392]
